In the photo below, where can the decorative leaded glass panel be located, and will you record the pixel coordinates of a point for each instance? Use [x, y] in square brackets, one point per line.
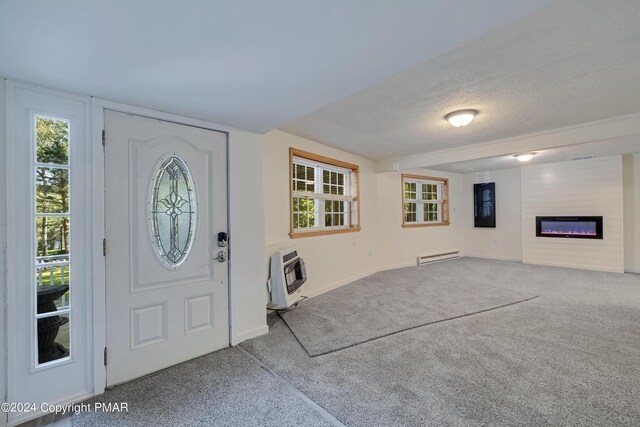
[173, 211]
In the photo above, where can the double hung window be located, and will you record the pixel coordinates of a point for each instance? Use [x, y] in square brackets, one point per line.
[425, 201]
[324, 195]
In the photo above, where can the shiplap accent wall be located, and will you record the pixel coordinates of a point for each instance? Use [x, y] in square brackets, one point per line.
[591, 187]
[631, 185]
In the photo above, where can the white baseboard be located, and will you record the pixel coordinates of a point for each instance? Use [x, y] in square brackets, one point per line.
[499, 258]
[247, 335]
[315, 292]
[632, 270]
[395, 266]
[324, 289]
[577, 266]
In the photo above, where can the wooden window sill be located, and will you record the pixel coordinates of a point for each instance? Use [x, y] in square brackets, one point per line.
[301, 234]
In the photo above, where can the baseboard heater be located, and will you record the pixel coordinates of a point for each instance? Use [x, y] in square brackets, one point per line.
[428, 259]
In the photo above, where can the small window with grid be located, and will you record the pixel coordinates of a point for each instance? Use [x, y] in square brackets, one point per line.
[425, 201]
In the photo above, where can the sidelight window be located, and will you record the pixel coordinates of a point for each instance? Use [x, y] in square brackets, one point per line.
[53, 227]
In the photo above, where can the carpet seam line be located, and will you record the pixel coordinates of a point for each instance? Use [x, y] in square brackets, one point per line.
[403, 330]
[322, 411]
[294, 334]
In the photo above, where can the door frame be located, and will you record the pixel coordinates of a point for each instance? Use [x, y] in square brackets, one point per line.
[98, 107]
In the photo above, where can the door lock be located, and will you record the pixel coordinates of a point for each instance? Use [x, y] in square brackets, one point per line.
[222, 256]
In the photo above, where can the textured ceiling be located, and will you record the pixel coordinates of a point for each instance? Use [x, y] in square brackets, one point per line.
[247, 63]
[572, 62]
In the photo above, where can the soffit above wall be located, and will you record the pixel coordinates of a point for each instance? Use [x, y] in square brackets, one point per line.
[577, 152]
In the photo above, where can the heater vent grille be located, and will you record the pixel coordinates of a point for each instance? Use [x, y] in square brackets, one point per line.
[582, 157]
[288, 273]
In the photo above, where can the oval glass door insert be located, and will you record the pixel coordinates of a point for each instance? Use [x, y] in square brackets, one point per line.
[173, 213]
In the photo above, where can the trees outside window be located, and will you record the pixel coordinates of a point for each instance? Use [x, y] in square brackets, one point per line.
[52, 185]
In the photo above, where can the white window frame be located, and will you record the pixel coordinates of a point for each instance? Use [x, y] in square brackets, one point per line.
[351, 201]
[64, 310]
[442, 200]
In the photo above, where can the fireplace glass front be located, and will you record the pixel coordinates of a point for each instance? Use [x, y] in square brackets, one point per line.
[581, 227]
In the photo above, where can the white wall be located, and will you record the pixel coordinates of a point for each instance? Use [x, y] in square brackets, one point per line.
[332, 260]
[3, 246]
[586, 187]
[504, 241]
[335, 260]
[399, 247]
[631, 188]
[246, 234]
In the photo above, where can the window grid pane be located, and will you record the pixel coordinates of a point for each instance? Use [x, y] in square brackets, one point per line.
[431, 212]
[410, 212]
[52, 190]
[410, 192]
[334, 213]
[304, 214]
[52, 140]
[303, 178]
[429, 192]
[333, 182]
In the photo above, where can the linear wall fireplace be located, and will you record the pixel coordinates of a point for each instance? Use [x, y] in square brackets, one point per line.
[576, 227]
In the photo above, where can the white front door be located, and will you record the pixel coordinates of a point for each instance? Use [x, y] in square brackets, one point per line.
[166, 202]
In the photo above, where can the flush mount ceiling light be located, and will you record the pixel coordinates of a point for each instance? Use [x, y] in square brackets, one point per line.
[525, 157]
[461, 118]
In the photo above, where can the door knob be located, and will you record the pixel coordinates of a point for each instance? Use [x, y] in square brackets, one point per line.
[222, 256]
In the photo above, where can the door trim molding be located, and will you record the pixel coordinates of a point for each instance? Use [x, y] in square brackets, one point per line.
[98, 107]
[3, 248]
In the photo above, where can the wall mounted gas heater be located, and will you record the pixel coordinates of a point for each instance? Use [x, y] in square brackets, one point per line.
[288, 274]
